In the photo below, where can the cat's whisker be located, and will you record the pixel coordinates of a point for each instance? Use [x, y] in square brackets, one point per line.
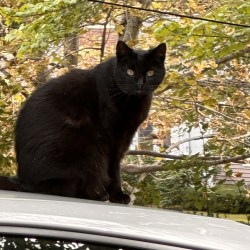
[116, 94]
[117, 97]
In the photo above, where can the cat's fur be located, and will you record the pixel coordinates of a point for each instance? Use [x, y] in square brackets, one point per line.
[9, 183]
[73, 131]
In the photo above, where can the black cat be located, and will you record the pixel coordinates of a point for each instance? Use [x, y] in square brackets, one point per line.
[73, 131]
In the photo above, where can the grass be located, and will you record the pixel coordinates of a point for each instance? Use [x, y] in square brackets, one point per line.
[234, 217]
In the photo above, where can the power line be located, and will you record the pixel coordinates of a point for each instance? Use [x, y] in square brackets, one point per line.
[170, 13]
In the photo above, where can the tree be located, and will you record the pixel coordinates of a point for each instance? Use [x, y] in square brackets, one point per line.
[206, 84]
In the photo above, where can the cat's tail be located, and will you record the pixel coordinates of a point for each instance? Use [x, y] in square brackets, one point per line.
[9, 183]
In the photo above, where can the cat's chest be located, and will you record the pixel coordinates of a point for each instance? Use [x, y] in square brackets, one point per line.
[129, 111]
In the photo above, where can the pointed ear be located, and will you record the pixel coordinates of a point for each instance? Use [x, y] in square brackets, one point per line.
[160, 51]
[122, 49]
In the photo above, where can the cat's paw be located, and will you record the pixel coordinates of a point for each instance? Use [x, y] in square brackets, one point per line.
[104, 197]
[120, 197]
[126, 199]
[100, 196]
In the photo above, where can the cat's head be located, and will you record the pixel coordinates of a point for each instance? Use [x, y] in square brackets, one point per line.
[139, 72]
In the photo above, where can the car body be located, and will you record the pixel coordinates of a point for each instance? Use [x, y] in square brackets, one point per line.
[113, 226]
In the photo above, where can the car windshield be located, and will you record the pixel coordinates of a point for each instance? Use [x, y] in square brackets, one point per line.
[18, 242]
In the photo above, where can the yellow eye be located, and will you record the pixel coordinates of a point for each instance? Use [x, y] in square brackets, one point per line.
[130, 72]
[150, 73]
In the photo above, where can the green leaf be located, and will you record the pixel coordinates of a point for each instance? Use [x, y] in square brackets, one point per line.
[240, 183]
[229, 173]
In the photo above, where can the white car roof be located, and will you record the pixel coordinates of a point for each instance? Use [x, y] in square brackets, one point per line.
[121, 221]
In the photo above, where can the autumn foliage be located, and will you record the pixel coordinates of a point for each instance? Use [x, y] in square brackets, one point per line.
[206, 87]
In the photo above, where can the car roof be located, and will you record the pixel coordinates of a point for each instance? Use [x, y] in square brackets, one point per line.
[121, 221]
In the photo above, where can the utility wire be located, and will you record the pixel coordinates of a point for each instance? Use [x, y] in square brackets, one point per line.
[169, 13]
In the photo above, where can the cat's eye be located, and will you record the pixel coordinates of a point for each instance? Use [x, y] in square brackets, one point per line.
[130, 72]
[150, 73]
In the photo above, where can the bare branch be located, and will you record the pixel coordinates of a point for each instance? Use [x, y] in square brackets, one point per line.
[234, 55]
[213, 160]
[103, 44]
[134, 169]
[155, 154]
[228, 160]
[221, 114]
[177, 144]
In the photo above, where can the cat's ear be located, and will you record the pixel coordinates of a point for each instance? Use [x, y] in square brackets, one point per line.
[122, 49]
[160, 51]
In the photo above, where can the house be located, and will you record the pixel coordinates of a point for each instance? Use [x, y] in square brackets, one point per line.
[239, 172]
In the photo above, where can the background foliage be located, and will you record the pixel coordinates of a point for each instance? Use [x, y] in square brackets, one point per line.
[206, 87]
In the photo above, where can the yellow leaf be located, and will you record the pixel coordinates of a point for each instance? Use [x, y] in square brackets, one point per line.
[192, 4]
[246, 113]
[18, 97]
[213, 64]
[119, 29]
[198, 68]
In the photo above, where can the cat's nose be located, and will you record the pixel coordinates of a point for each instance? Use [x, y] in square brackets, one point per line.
[140, 84]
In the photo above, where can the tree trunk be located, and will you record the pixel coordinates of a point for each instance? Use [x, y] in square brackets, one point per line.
[132, 23]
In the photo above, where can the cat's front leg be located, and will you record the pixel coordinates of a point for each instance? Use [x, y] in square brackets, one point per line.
[119, 197]
[114, 189]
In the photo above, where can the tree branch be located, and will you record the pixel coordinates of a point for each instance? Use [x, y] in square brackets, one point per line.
[223, 60]
[177, 144]
[221, 114]
[134, 169]
[234, 55]
[155, 154]
[229, 160]
[103, 44]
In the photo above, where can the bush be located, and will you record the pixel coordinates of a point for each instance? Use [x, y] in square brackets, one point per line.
[224, 199]
[179, 190]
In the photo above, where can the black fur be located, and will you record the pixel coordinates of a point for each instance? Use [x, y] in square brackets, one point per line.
[73, 131]
[9, 183]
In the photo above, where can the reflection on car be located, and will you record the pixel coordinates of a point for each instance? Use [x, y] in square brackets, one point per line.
[36, 221]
